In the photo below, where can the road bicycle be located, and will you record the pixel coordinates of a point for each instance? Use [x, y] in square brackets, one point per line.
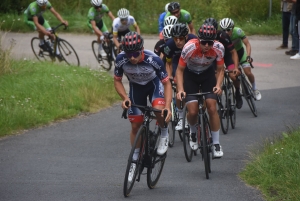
[147, 141]
[246, 89]
[66, 51]
[203, 134]
[227, 103]
[110, 50]
[175, 117]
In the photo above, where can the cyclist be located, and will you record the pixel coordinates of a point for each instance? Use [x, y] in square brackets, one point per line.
[171, 20]
[159, 46]
[33, 18]
[231, 59]
[197, 66]
[147, 78]
[172, 50]
[239, 38]
[161, 18]
[96, 24]
[182, 15]
[121, 25]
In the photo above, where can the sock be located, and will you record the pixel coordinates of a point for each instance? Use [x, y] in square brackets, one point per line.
[164, 132]
[57, 50]
[100, 47]
[193, 128]
[180, 113]
[253, 86]
[136, 154]
[215, 136]
[41, 41]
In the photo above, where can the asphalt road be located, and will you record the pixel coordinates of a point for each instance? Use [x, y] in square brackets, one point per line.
[85, 158]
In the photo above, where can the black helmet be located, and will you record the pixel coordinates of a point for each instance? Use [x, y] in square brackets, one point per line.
[179, 29]
[132, 42]
[212, 21]
[173, 6]
[207, 32]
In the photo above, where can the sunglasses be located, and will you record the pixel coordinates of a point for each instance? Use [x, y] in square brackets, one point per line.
[209, 42]
[181, 38]
[133, 54]
[96, 7]
[227, 29]
[174, 13]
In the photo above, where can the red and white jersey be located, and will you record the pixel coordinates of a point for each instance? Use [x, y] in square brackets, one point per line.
[197, 61]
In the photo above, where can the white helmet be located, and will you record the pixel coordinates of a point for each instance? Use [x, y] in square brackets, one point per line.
[226, 23]
[96, 2]
[171, 20]
[166, 7]
[123, 13]
[167, 32]
[41, 2]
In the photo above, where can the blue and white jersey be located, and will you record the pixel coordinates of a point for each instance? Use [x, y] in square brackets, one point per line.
[118, 26]
[143, 72]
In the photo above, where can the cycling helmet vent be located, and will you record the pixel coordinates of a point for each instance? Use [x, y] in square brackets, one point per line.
[123, 13]
[132, 42]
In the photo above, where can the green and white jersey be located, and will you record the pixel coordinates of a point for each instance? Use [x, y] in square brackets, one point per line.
[185, 17]
[237, 36]
[35, 10]
[97, 15]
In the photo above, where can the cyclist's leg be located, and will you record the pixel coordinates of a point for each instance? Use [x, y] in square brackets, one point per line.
[246, 66]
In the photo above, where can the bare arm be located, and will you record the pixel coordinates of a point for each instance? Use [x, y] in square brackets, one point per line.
[95, 28]
[115, 39]
[220, 77]
[179, 80]
[169, 68]
[122, 92]
[248, 46]
[137, 28]
[235, 59]
[40, 27]
[192, 29]
[57, 15]
[168, 98]
[112, 17]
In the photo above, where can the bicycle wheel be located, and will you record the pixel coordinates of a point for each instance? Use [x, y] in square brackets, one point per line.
[204, 145]
[232, 106]
[139, 139]
[188, 152]
[172, 125]
[157, 163]
[209, 141]
[224, 108]
[40, 54]
[103, 61]
[68, 52]
[248, 95]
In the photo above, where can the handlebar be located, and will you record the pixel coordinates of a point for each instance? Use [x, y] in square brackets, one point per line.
[54, 28]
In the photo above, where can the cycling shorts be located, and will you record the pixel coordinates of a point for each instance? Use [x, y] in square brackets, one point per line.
[122, 33]
[192, 81]
[138, 94]
[243, 57]
[41, 21]
[228, 61]
[100, 25]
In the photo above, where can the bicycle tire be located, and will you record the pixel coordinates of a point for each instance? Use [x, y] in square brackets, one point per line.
[108, 48]
[141, 135]
[232, 104]
[248, 95]
[224, 108]
[188, 152]
[209, 141]
[172, 125]
[156, 165]
[67, 50]
[103, 62]
[40, 54]
[204, 146]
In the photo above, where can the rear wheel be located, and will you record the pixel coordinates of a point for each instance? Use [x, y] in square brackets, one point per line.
[224, 109]
[103, 61]
[249, 95]
[232, 106]
[172, 125]
[204, 148]
[188, 152]
[40, 54]
[140, 139]
[68, 53]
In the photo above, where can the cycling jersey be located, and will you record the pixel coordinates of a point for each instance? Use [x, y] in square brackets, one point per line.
[161, 21]
[119, 27]
[237, 36]
[35, 10]
[159, 48]
[184, 17]
[150, 67]
[224, 38]
[93, 14]
[197, 61]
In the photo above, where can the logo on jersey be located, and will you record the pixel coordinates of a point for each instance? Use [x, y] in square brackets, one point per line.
[121, 62]
[130, 111]
[167, 50]
[153, 62]
[186, 16]
[187, 49]
[239, 32]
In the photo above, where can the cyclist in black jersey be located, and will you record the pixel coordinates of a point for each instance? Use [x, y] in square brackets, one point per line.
[159, 47]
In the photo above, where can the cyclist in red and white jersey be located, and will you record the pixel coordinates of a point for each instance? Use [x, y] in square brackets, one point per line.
[197, 67]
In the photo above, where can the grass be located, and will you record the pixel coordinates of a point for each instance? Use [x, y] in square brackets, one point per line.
[275, 168]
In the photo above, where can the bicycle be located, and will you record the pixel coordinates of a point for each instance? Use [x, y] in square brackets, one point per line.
[203, 134]
[246, 89]
[175, 116]
[147, 141]
[227, 103]
[110, 50]
[67, 52]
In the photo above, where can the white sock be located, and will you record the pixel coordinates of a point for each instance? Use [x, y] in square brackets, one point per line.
[41, 41]
[164, 132]
[180, 113]
[100, 47]
[253, 86]
[57, 50]
[215, 136]
[193, 128]
[136, 154]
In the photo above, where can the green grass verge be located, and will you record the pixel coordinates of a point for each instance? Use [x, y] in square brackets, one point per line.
[34, 94]
[275, 169]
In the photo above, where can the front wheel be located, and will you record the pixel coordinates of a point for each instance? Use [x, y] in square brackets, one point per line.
[205, 144]
[39, 53]
[68, 53]
[103, 61]
[130, 172]
[249, 95]
[223, 110]
[188, 152]
[232, 106]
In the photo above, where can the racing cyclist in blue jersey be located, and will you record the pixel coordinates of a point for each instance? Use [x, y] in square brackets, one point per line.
[147, 78]
[162, 18]
[172, 50]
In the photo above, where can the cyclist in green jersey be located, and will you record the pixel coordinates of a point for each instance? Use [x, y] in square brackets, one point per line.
[34, 19]
[182, 15]
[96, 23]
[239, 39]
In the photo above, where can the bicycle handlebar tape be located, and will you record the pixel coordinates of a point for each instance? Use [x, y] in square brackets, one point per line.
[181, 105]
[124, 114]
